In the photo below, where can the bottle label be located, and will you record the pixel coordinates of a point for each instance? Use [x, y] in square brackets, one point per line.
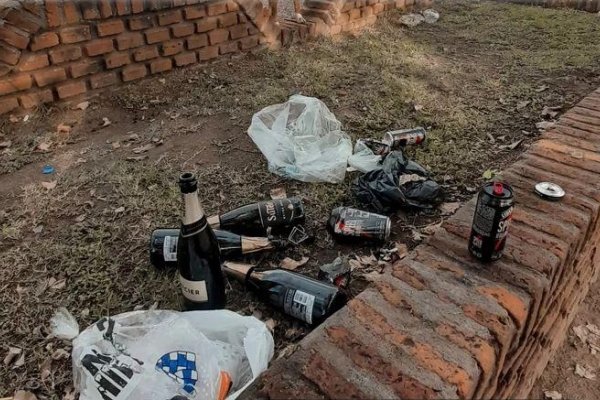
[193, 290]
[299, 304]
[276, 212]
[170, 248]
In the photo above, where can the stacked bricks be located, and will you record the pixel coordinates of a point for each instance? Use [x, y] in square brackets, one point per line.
[583, 5]
[56, 50]
[440, 324]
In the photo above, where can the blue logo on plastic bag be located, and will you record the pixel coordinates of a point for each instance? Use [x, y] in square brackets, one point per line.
[181, 366]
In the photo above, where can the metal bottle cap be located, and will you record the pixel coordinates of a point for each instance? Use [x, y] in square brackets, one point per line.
[549, 190]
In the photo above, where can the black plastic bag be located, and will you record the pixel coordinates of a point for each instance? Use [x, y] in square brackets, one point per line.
[400, 183]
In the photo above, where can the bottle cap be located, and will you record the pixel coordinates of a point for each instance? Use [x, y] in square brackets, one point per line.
[549, 191]
[498, 188]
[188, 182]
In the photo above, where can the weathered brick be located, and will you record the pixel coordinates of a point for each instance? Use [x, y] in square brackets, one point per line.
[8, 104]
[232, 6]
[129, 40]
[33, 61]
[15, 83]
[25, 21]
[14, 38]
[137, 6]
[145, 53]
[218, 36]
[103, 80]
[49, 76]
[123, 7]
[216, 8]
[30, 100]
[208, 53]
[161, 65]
[229, 47]
[134, 71]
[44, 41]
[98, 47]
[112, 27]
[238, 31]
[156, 35]
[183, 29]
[53, 13]
[378, 8]
[85, 67]
[115, 60]
[169, 17]
[75, 34]
[194, 12]
[206, 24]
[65, 53]
[105, 8]
[9, 54]
[249, 42]
[89, 9]
[70, 89]
[197, 41]
[185, 58]
[354, 13]
[140, 22]
[228, 19]
[319, 371]
[172, 47]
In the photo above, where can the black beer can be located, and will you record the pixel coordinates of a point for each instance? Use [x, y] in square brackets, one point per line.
[493, 214]
[350, 224]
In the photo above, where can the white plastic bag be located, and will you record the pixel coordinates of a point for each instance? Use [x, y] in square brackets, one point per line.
[363, 159]
[302, 139]
[163, 354]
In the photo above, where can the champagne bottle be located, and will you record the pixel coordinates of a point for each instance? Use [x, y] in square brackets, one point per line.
[294, 294]
[198, 257]
[163, 246]
[256, 219]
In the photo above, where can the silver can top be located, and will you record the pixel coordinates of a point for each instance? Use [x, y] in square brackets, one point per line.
[549, 191]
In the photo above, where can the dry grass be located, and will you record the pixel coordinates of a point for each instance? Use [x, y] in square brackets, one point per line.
[458, 70]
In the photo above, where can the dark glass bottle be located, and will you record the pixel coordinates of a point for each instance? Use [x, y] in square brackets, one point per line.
[163, 246]
[198, 257]
[294, 294]
[255, 219]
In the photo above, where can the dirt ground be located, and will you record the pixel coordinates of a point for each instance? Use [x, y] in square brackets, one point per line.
[477, 80]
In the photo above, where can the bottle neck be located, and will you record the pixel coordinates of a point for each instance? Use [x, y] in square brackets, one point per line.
[193, 211]
[254, 244]
[240, 271]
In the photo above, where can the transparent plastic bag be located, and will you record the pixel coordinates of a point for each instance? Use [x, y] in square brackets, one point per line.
[301, 139]
[165, 354]
[364, 159]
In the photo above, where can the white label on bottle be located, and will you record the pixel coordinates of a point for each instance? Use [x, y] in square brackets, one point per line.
[193, 290]
[302, 306]
[170, 248]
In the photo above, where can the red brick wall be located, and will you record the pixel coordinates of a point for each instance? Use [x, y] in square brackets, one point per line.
[55, 49]
[441, 325]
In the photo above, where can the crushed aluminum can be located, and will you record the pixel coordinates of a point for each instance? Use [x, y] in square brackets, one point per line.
[337, 273]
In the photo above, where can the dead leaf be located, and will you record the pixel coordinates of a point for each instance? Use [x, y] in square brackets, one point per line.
[154, 306]
[80, 161]
[138, 307]
[13, 352]
[116, 145]
[70, 394]
[367, 261]
[26, 118]
[581, 332]
[138, 158]
[431, 229]
[449, 208]
[24, 395]
[287, 351]
[354, 265]
[402, 250]
[44, 146]
[502, 101]
[5, 144]
[406, 178]
[46, 368]
[489, 174]
[83, 105]
[552, 395]
[143, 149]
[418, 107]
[63, 128]
[585, 372]
[13, 118]
[49, 185]
[523, 104]
[271, 324]
[593, 329]
[278, 193]
[550, 112]
[80, 218]
[162, 80]
[20, 362]
[542, 88]
[291, 264]
[38, 229]
[372, 276]
[119, 210]
[511, 146]
[106, 122]
[85, 313]
[545, 125]
[416, 235]
[55, 284]
[60, 354]
[133, 137]
[491, 137]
